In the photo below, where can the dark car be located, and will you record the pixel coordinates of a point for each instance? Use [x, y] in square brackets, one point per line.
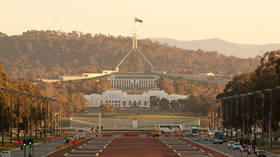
[244, 148]
[261, 153]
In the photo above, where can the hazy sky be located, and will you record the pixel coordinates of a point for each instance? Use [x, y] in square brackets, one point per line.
[242, 21]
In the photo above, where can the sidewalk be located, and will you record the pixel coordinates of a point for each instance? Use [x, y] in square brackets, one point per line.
[40, 149]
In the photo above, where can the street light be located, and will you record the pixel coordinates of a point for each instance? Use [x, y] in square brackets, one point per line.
[235, 98]
[230, 98]
[256, 93]
[242, 115]
[248, 112]
[270, 116]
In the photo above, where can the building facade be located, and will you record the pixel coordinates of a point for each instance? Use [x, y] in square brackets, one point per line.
[133, 81]
[122, 100]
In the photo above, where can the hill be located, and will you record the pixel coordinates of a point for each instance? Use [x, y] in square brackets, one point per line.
[50, 53]
[221, 46]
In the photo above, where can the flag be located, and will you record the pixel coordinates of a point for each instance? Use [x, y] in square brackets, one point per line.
[138, 20]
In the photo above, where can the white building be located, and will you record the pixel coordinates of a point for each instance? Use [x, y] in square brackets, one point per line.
[119, 99]
[133, 81]
[85, 75]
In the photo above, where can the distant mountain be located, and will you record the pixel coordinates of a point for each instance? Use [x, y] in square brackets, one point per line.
[221, 46]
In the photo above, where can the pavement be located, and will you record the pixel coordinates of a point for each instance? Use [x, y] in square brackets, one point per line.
[223, 148]
[137, 147]
[40, 150]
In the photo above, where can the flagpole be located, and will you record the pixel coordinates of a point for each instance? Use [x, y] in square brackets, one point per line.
[134, 32]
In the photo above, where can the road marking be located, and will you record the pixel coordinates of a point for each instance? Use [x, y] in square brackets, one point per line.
[209, 147]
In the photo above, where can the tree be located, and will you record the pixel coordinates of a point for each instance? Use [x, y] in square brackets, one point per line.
[79, 102]
[165, 84]
[181, 85]
[106, 108]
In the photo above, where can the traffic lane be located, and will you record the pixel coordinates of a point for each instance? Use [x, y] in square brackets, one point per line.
[39, 150]
[221, 147]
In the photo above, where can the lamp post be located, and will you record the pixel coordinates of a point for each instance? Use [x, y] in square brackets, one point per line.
[230, 98]
[36, 110]
[18, 128]
[250, 94]
[270, 116]
[3, 125]
[11, 116]
[243, 115]
[41, 114]
[222, 112]
[235, 98]
[249, 113]
[257, 93]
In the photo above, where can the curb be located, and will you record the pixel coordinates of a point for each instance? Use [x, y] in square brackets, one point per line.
[273, 154]
[18, 148]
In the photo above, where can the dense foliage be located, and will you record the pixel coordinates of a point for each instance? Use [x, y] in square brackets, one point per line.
[266, 75]
[201, 95]
[73, 91]
[253, 109]
[50, 53]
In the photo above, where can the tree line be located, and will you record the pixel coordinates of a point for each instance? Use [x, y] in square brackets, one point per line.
[74, 91]
[32, 106]
[201, 95]
[251, 100]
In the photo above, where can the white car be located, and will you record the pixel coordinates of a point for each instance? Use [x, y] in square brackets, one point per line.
[229, 144]
[235, 145]
[6, 154]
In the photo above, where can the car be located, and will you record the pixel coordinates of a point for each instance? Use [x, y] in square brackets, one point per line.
[205, 137]
[260, 153]
[218, 137]
[254, 150]
[235, 145]
[196, 138]
[243, 148]
[229, 144]
[72, 137]
[6, 153]
[187, 134]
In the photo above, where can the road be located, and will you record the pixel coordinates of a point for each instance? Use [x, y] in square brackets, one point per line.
[39, 150]
[223, 148]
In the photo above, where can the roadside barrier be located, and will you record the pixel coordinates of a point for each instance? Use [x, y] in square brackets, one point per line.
[130, 135]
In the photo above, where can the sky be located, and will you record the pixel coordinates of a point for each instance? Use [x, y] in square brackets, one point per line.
[241, 21]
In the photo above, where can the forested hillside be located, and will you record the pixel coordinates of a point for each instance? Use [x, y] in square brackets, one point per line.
[57, 90]
[50, 53]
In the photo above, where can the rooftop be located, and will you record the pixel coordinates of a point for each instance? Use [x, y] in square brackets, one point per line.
[135, 77]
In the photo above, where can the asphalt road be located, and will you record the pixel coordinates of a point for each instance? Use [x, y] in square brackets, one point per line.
[39, 150]
[223, 148]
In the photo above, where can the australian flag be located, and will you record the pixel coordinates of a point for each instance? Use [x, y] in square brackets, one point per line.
[138, 20]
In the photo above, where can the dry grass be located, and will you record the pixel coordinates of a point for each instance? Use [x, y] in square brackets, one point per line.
[144, 121]
[274, 150]
[158, 117]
